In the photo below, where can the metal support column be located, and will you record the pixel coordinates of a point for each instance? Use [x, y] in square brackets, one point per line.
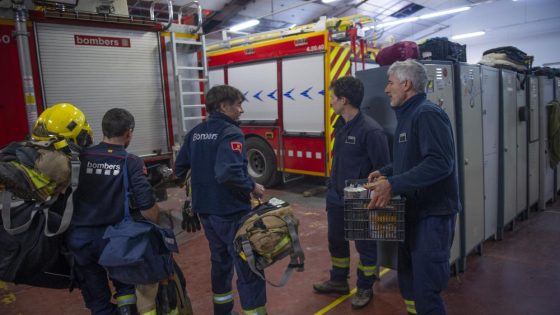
[22, 37]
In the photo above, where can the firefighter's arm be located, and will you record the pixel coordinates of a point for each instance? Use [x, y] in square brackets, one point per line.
[231, 163]
[183, 162]
[142, 193]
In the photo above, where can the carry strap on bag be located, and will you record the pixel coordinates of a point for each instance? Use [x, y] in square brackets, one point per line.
[138, 251]
[32, 247]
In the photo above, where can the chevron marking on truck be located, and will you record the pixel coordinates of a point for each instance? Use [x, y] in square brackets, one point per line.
[340, 66]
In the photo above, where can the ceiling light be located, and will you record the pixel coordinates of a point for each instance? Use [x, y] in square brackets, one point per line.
[244, 25]
[468, 35]
[399, 21]
[328, 1]
[416, 18]
[444, 12]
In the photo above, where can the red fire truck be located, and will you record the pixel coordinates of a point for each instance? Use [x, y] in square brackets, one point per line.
[285, 77]
[98, 61]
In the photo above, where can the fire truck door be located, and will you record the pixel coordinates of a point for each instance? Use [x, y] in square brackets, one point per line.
[216, 77]
[304, 94]
[258, 82]
[100, 68]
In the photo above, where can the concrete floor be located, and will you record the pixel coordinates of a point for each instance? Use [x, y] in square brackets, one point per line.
[519, 275]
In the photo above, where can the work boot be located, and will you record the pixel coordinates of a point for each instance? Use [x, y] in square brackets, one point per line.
[361, 298]
[330, 286]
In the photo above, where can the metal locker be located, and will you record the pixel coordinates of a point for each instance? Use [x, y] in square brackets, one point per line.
[556, 88]
[490, 82]
[440, 91]
[533, 173]
[440, 88]
[522, 177]
[508, 148]
[546, 173]
[470, 157]
[533, 134]
[533, 100]
[557, 97]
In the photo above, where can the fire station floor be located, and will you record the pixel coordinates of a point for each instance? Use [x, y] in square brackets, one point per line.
[519, 275]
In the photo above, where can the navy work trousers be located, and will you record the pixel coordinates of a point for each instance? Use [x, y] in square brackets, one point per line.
[220, 232]
[423, 267]
[86, 245]
[339, 249]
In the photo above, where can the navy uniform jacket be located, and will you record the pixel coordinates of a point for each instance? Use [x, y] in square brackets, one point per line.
[360, 147]
[214, 151]
[99, 198]
[424, 167]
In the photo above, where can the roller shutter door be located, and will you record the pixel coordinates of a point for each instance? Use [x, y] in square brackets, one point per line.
[86, 67]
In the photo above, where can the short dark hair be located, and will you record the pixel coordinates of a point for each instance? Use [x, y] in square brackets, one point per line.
[116, 122]
[349, 87]
[222, 93]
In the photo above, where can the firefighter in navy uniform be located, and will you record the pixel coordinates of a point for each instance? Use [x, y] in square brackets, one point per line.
[221, 188]
[98, 203]
[424, 170]
[360, 147]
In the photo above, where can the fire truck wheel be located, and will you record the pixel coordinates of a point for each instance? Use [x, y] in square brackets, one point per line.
[262, 162]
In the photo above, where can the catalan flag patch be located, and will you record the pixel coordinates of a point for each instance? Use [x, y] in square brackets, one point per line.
[236, 146]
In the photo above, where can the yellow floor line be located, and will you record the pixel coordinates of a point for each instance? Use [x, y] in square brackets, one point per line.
[344, 297]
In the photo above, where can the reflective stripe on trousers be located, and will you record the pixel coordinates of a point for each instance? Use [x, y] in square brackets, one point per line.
[410, 308]
[340, 262]
[223, 298]
[126, 299]
[368, 271]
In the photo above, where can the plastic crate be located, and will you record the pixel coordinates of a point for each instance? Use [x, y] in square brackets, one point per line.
[361, 223]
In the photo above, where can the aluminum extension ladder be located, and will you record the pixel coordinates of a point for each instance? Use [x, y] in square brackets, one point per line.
[196, 72]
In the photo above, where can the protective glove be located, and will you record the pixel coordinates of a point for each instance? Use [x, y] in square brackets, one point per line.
[191, 222]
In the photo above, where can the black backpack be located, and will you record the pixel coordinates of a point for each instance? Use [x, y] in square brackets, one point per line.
[32, 247]
[440, 48]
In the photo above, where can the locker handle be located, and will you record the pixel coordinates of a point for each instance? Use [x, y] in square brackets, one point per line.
[466, 161]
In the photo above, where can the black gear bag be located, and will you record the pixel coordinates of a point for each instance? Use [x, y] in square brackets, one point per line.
[32, 247]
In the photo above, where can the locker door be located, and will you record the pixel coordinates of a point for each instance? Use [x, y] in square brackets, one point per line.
[470, 112]
[490, 129]
[509, 145]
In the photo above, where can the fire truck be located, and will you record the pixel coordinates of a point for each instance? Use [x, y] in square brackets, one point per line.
[98, 57]
[285, 76]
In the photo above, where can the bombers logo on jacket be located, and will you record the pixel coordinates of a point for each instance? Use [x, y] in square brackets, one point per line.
[204, 136]
[102, 168]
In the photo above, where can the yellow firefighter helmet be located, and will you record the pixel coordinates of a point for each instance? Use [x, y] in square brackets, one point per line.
[63, 120]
